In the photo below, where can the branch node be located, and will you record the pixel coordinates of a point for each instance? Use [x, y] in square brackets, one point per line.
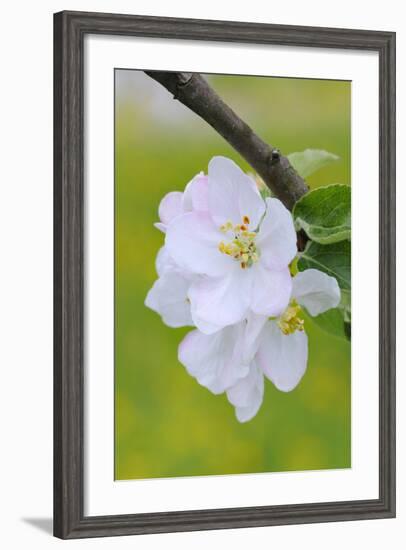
[182, 81]
[275, 156]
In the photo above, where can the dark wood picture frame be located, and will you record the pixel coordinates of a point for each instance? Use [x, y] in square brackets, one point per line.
[69, 31]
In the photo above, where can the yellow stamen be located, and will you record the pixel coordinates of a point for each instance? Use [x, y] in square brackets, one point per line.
[290, 320]
[226, 227]
[242, 246]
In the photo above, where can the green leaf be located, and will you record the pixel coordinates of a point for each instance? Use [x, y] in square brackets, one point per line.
[332, 322]
[325, 213]
[333, 259]
[310, 160]
[336, 321]
[345, 305]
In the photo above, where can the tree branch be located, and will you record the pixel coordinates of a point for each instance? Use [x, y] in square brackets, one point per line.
[192, 90]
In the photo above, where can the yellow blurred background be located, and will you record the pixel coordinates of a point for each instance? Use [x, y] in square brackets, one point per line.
[166, 424]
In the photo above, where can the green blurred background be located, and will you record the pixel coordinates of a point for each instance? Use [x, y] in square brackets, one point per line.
[166, 424]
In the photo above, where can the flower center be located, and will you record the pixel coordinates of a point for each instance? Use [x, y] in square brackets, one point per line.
[290, 320]
[242, 247]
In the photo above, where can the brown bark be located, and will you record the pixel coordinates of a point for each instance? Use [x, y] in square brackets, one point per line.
[194, 92]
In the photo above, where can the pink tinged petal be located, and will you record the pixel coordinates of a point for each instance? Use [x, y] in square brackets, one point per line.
[170, 207]
[222, 301]
[276, 237]
[316, 291]
[161, 226]
[192, 240]
[271, 291]
[247, 394]
[196, 194]
[232, 194]
[282, 357]
[214, 360]
[168, 298]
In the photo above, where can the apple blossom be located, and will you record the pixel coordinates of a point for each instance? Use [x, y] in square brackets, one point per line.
[236, 358]
[241, 246]
[225, 270]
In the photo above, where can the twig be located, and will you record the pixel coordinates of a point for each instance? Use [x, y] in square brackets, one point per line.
[192, 90]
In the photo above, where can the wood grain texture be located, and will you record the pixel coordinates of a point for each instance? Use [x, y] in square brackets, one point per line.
[69, 31]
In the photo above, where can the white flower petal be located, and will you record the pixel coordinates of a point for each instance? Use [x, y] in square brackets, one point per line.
[244, 414]
[164, 262]
[271, 290]
[196, 194]
[224, 176]
[192, 240]
[316, 291]
[252, 335]
[282, 357]
[152, 299]
[168, 297]
[222, 301]
[251, 204]
[214, 360]
[170, 207]
[232, 194]
[247, 394]
[277, 237]
[207, 327]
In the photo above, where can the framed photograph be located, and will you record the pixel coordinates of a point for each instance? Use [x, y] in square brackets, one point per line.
[224, 275]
